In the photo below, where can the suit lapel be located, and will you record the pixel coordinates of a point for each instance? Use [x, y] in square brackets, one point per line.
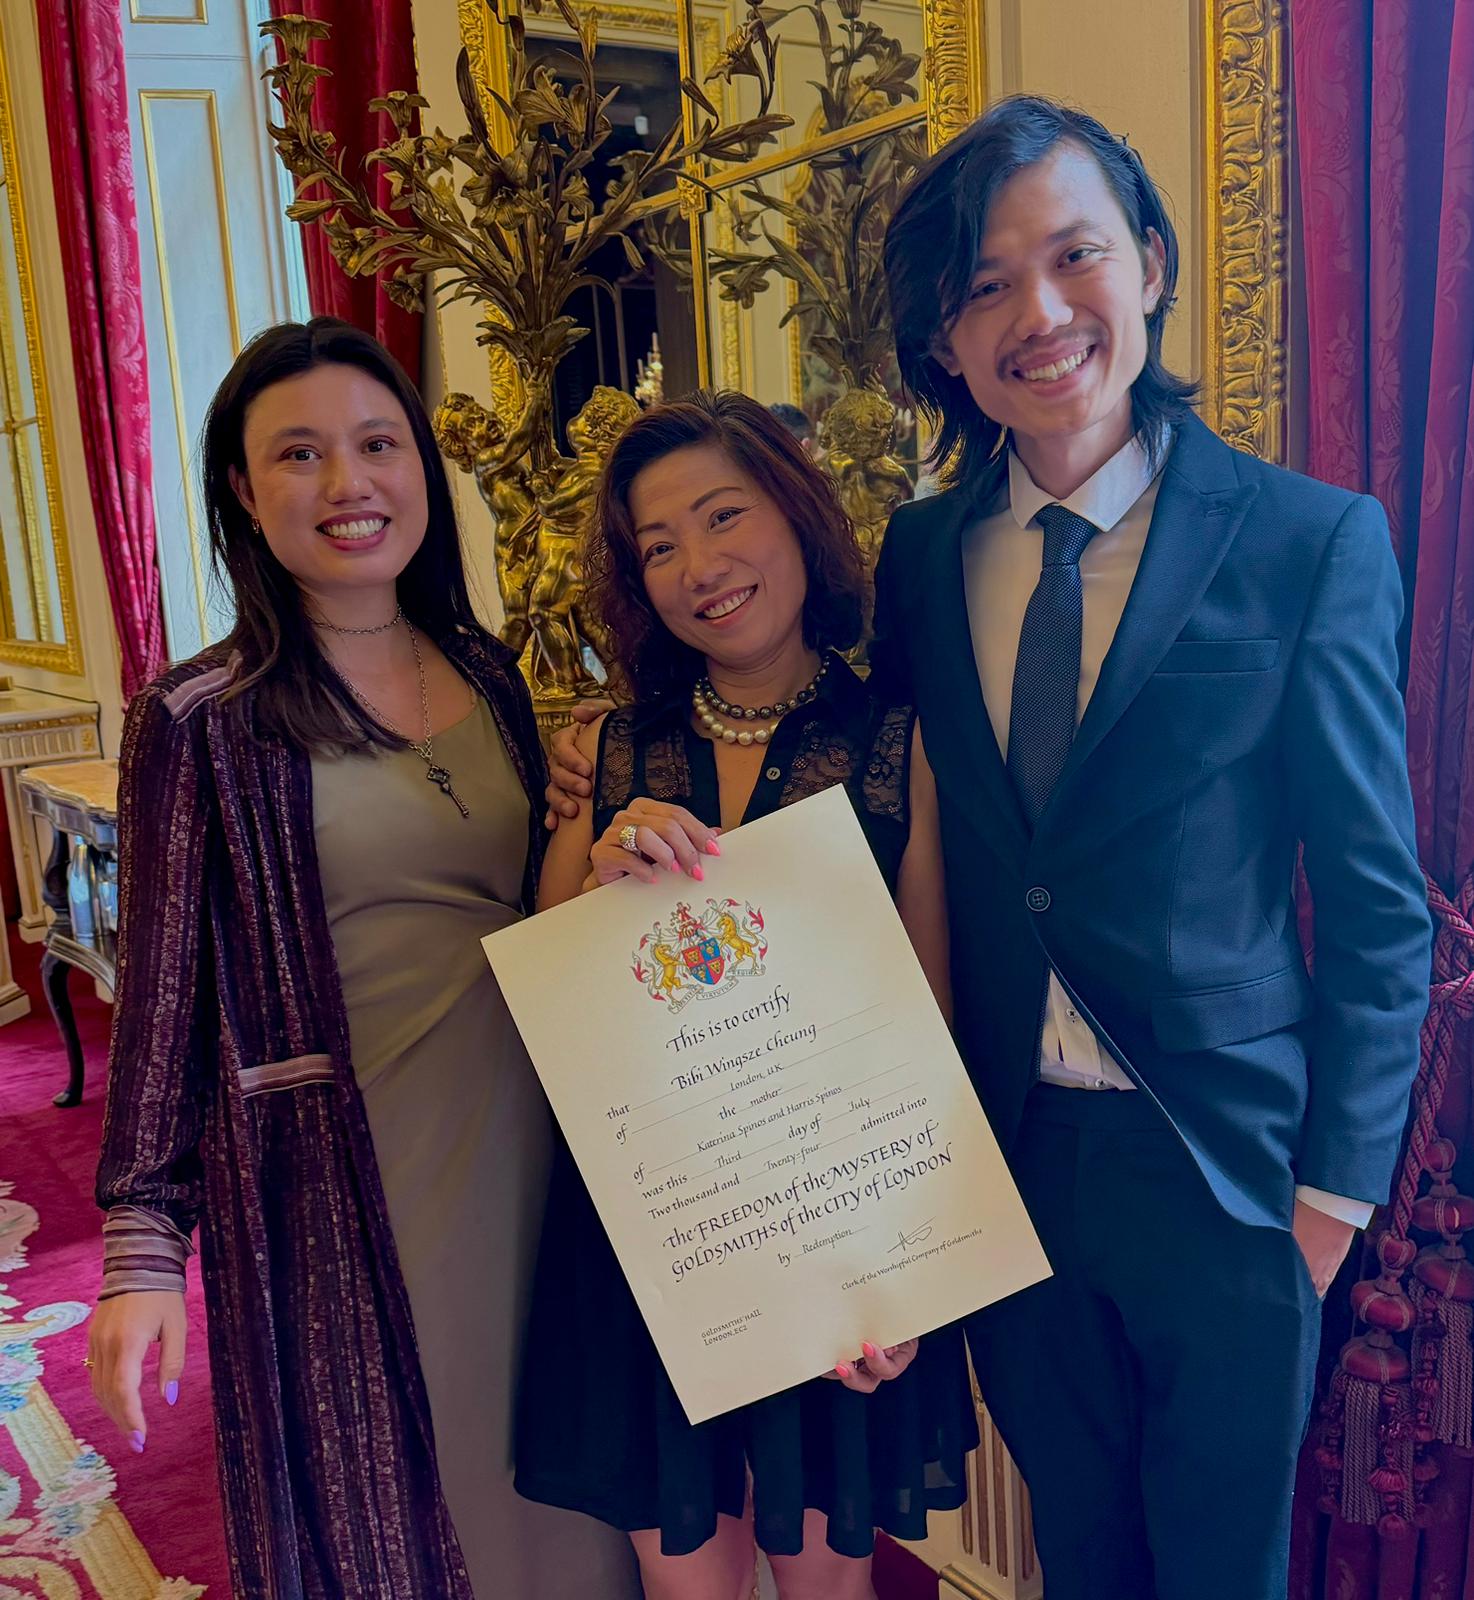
[956, 657]
[1199, 509]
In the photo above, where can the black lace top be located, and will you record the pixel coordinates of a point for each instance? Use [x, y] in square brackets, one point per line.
[844, 735]
[623, 1451]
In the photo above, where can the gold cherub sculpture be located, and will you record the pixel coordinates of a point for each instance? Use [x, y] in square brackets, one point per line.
[858, 433]
[475, 441]
[562, 621]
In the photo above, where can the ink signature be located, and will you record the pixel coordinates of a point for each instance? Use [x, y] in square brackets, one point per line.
[905, 1240]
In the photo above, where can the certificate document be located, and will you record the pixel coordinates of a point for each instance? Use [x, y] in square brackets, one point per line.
[767, 1108]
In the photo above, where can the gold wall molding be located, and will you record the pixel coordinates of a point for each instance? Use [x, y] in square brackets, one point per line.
[797, 185]
[959, 1582]
[199, 15]
[484, 55]
[63, 655]
[954, 66]
[1246, 201]
[487, 61]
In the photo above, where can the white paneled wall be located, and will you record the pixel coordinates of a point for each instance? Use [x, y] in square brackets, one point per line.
[219, 260]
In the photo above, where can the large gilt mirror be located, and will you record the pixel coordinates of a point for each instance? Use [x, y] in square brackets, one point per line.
[868, 86]
[38, 622]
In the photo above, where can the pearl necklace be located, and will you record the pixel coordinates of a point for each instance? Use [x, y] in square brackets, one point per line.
[710, 708]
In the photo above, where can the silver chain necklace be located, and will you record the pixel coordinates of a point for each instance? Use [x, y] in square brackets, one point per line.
[378, 627]
[425, 747]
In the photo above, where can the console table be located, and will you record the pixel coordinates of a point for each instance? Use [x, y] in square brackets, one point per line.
[34, 728]
[80, 887]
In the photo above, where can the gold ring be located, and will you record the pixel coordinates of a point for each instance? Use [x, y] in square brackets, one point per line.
[86, 1361]
[627, 838]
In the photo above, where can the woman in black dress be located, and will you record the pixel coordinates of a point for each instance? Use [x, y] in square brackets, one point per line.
[728, 577]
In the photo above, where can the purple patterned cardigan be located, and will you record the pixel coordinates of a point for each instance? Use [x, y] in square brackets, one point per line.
[232, 1104]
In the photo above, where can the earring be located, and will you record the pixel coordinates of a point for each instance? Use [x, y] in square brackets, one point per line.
[255, 527]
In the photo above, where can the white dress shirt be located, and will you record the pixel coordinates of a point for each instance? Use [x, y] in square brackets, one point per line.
[1002, 558]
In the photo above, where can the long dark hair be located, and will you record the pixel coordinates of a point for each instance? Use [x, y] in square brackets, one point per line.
[932, 245]
[652, 658]
[297, 695]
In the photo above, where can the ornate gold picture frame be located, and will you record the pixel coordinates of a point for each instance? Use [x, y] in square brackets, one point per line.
[952, 75]
[48, 574]
[1246, 189]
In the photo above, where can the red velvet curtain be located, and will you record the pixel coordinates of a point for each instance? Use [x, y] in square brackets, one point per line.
[92, 178]
[1384, 124]
[370, 53]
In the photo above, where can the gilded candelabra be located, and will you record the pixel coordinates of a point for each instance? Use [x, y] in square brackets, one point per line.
[506, 218]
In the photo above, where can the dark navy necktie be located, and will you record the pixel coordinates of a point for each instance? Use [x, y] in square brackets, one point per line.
[1046, 675]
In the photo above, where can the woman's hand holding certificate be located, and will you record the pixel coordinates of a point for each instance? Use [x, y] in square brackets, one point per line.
[649, 837]
[765, 1103]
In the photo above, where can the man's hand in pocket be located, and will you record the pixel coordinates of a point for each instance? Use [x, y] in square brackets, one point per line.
[1323, 1241]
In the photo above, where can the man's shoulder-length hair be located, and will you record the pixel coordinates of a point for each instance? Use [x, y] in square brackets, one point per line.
[933, 242]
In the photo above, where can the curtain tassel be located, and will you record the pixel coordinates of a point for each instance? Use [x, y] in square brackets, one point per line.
[1373, 1394]
[1443, 1357]
[1377, 1445]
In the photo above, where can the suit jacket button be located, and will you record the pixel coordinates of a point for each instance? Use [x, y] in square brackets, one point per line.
[1037, 899]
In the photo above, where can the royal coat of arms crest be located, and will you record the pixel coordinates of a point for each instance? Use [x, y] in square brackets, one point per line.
[692, 953]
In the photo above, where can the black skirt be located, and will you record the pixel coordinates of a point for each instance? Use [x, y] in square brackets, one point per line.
[600, 1429]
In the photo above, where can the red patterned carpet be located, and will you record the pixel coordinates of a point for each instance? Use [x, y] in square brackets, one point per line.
[80, 1514]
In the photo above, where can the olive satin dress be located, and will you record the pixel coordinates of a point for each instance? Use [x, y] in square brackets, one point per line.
[461, 1131]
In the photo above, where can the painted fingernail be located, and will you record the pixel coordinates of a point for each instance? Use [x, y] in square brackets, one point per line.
[841, 1369]
[136, 1440]
[713, 848]
[698, 872]
[869, 1349]
[171, 1392]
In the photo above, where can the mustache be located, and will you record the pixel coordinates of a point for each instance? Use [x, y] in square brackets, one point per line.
[1023, 358]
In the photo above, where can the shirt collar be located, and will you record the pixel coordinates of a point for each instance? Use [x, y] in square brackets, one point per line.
[1104, 498]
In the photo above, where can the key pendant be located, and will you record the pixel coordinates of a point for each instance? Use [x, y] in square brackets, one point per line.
[438, 775]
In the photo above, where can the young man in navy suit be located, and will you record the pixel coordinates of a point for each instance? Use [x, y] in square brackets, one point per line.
[1150, 669]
